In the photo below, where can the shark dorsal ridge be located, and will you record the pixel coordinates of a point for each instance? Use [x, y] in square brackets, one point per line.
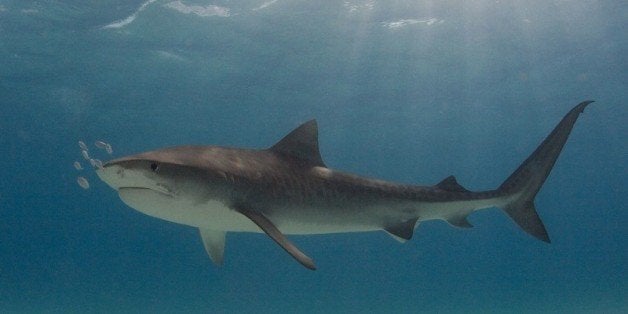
[302, 145]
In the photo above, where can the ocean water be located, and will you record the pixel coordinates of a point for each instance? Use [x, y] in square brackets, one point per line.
[408, 91]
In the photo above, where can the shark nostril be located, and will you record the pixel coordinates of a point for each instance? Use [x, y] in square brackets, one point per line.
[154, 166]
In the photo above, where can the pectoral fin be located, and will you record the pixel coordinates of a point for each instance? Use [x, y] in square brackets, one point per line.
[214, 242]
[267, 226]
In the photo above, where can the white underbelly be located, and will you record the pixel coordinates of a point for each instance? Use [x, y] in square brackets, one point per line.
[216, 215]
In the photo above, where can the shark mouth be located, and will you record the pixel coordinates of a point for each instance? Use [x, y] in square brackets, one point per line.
[163, 191]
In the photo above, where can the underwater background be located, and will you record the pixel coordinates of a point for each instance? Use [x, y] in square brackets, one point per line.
[408, 91]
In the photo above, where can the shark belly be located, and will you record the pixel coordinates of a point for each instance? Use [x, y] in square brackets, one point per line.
[216, 215]
[213, 215]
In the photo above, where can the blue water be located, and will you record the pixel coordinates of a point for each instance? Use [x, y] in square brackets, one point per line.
[410, 91]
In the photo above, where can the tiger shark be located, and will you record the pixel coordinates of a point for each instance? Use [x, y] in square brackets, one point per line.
[287, 189]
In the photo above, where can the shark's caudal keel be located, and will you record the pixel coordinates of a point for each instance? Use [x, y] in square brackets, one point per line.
[287, 189]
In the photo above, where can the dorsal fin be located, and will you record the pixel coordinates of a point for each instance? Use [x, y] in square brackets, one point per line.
[450, 184]
[302, 145]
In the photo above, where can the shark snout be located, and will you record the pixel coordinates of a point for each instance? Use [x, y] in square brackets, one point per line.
[111, 174]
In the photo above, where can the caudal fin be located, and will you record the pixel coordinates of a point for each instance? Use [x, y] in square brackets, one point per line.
[526, 181]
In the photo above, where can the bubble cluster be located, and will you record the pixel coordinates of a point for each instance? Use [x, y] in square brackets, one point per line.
[95, 163]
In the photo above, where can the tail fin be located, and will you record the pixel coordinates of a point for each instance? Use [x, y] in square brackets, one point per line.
[527, 180]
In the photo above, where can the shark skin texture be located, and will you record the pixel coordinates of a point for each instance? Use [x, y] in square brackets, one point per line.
[287, 189]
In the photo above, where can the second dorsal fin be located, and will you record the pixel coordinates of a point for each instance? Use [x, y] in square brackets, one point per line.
[302, 145]
[402, 230]
[450, 184]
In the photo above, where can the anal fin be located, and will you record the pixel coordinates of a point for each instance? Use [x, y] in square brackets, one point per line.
[214, 242]
[269, 228]
[403, 230]
[460, 222]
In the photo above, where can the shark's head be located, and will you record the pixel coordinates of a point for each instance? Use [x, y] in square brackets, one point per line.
[161, 182]
[161, 171]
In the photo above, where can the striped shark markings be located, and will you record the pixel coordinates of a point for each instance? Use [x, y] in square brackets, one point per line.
[287, 189]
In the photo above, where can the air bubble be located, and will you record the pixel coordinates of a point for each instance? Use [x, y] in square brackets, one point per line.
[85, 154]
[77, 165]
[101, 144]
[82, 145]
[82, 182]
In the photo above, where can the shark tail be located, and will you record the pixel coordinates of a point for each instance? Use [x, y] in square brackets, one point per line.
[525, 182]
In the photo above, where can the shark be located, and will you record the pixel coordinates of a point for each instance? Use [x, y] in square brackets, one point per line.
[287, 189]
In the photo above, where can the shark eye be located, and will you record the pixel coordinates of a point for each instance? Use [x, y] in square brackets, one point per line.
[154, 166]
